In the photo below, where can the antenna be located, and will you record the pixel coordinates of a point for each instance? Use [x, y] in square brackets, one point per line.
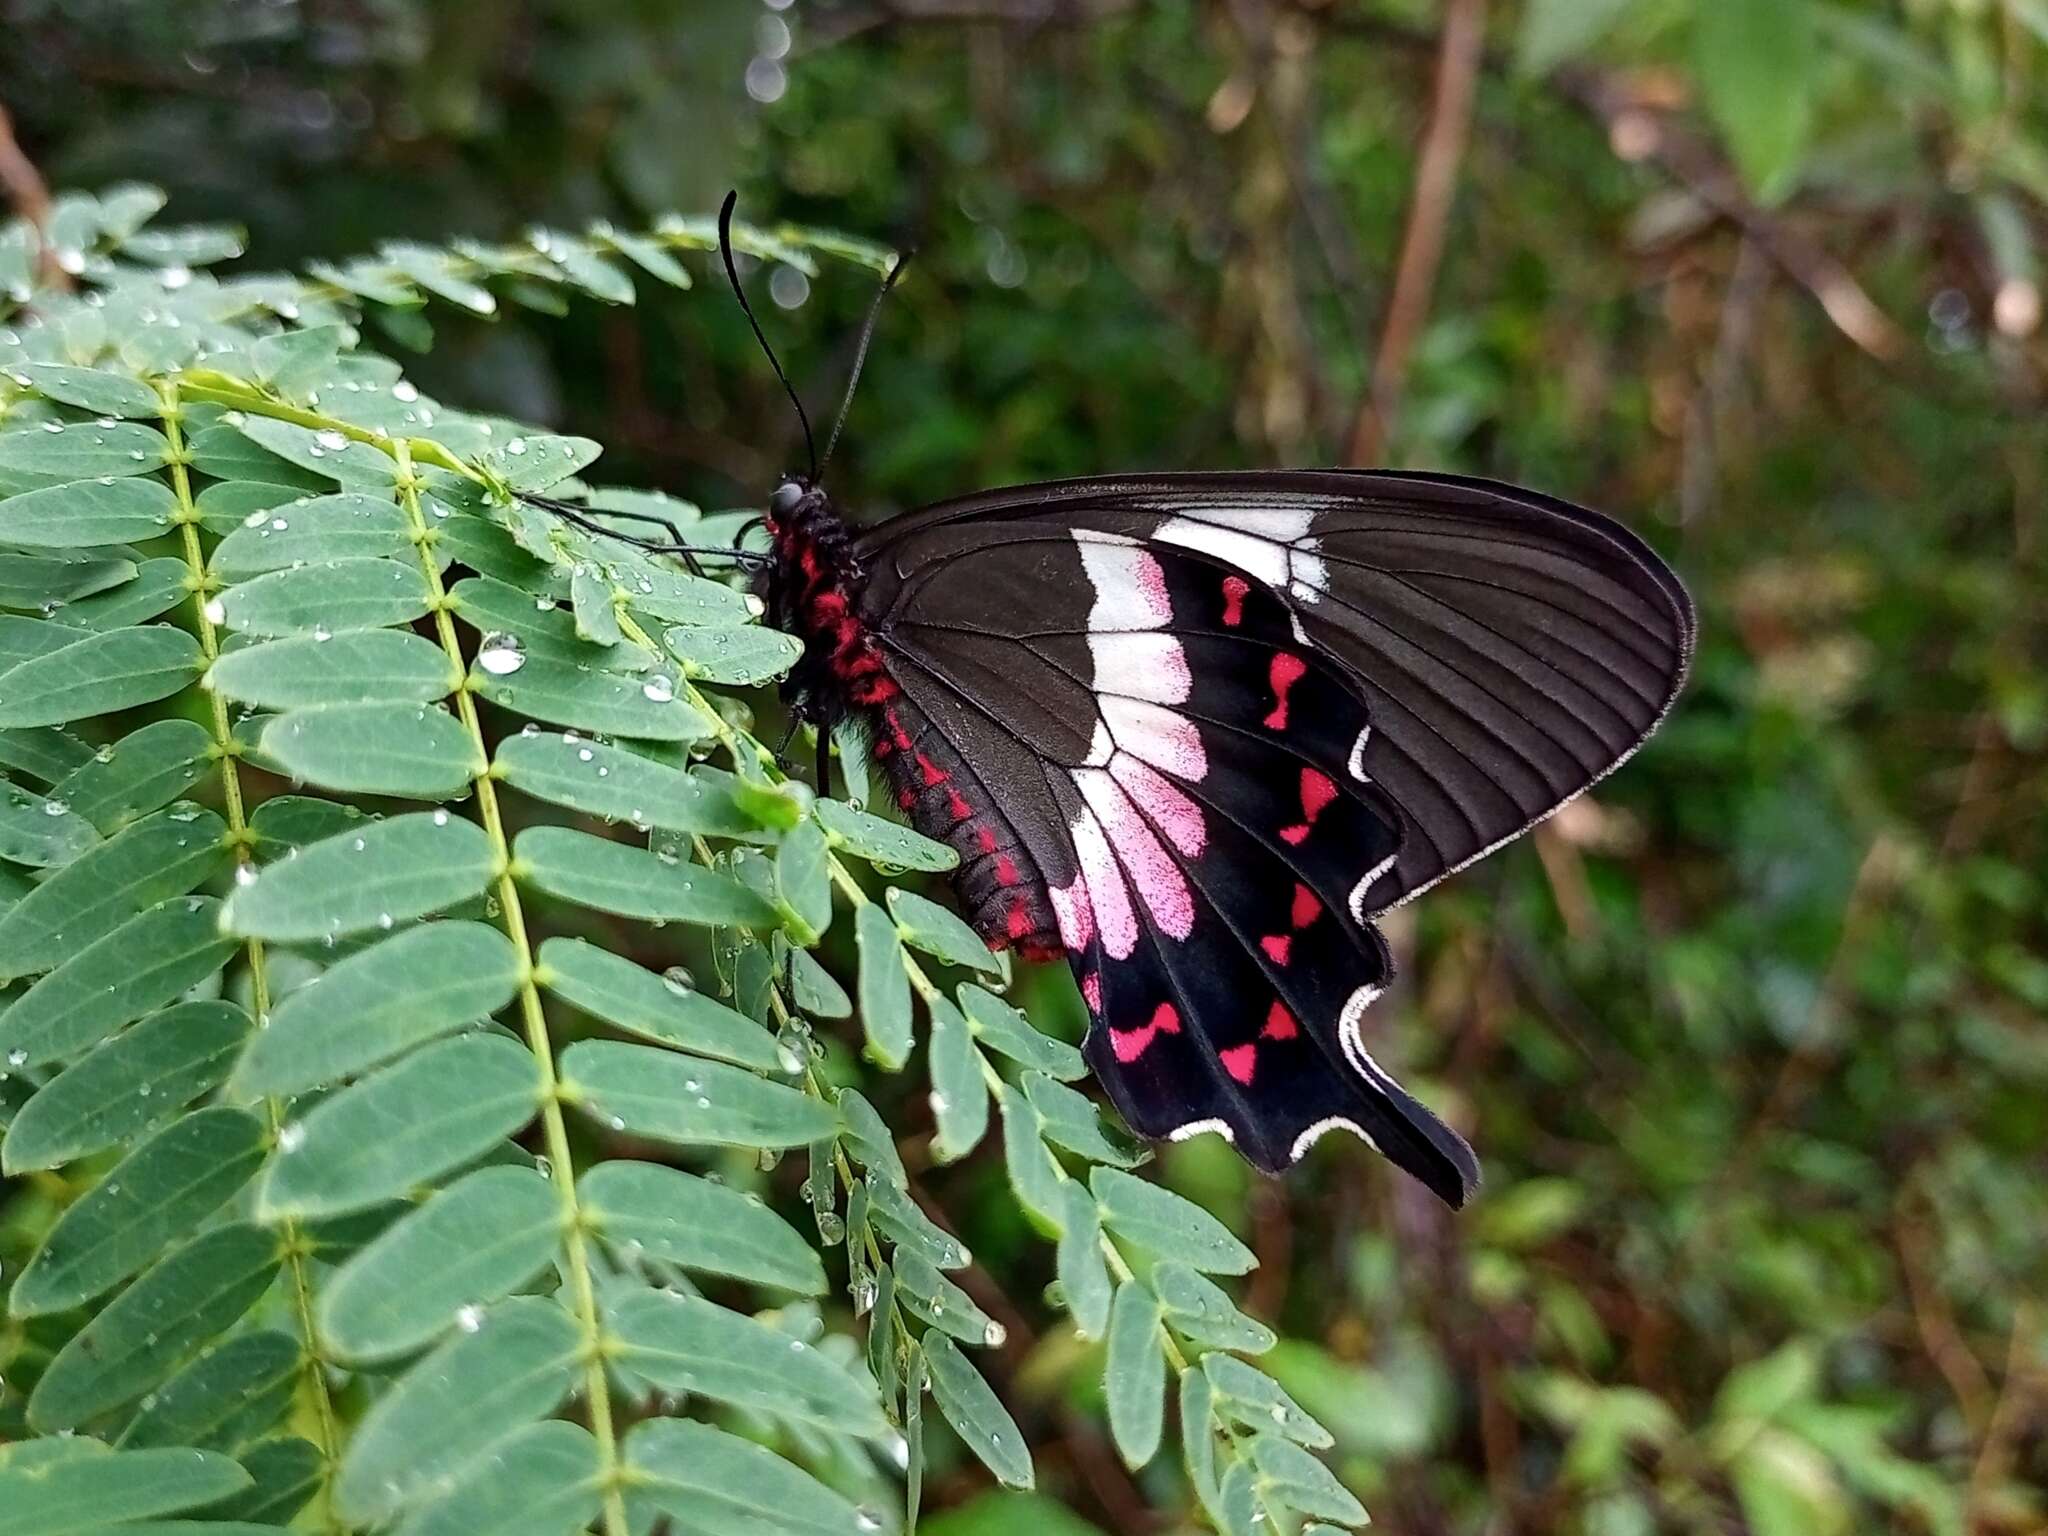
[732, 275]
[860, 356]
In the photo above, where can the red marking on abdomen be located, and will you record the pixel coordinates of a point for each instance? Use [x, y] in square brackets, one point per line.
[1317, 791]
[1129, 1044]
[1240, 1061]
[1234, 589]
[1280, 1023]
[1284, 672]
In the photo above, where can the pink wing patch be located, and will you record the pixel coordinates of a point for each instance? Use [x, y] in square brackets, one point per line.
[1161, 886]
[1162, 800]
[1109, 900]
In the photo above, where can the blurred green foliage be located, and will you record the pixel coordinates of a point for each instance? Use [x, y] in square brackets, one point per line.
[1753, 1044]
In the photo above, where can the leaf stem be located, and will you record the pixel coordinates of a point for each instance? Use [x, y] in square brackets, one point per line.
[555, 1131]
[297, 1262]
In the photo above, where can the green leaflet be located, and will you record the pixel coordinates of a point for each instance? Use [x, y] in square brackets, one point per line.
[327, 598]
[386, 873]
[146, 1072]
[86, 1494]
[646, 1208]
[716, 1481]
[418, 751]
[379, 1002]
[885, 1012]
[98, 675]
[359, 667]
[542, 1480]
[87, 512]
[186, 1298]
[402, 1126]
[163, 856]
[140, 966]
[976, 1413]
[469, 1394]
[658, 1008]
[596, 872]
[310, 531]
[482, 1237]
[679, 1099]
[1134, 1380]
[235, 1391]
[610, 781]
[1162, 1223]
[144, 770]
[163, 1189]
[686, 1344]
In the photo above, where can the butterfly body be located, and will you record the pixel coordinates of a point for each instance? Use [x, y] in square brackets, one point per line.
[1192, 732]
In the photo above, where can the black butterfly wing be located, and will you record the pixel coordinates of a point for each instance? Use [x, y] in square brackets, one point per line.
[1168, 760]
[1511, 649]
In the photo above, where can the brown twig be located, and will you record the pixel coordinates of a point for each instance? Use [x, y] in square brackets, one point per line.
[2016, 1402]
[30, 195]
[1939, 1335]
[1460, 52]
[1639, 132]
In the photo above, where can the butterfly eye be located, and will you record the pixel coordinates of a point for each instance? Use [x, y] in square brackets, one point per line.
[787, 496]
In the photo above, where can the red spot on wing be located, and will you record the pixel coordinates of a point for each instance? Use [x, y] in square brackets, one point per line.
[1317, 791]
[1306, 907]
[986, 836]
[1006, 869]
[933, 773]
[957, 804]
[1234, 589]
[1130, 1044]
[1091, 992]
[1285, 671]
[1280, 1023]
[1239, 1061]
[1276, 946]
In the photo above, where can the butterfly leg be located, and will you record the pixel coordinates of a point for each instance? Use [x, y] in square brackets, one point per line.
[824, 781]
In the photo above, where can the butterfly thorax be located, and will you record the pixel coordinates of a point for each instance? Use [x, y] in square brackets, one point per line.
[814, 590]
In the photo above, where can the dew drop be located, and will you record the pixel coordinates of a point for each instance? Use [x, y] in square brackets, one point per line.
[291, 1138]
[501, 654]
[17, 1057]
[678, 980]
[469, 1319]
[659, 689]
[54, 807]
[331, 440]
[405, 390]
[994, 1335]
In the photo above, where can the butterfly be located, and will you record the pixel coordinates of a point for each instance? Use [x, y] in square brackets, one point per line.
[1193, 733]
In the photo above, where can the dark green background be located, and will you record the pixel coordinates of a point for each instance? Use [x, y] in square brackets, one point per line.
[1752, 1043]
